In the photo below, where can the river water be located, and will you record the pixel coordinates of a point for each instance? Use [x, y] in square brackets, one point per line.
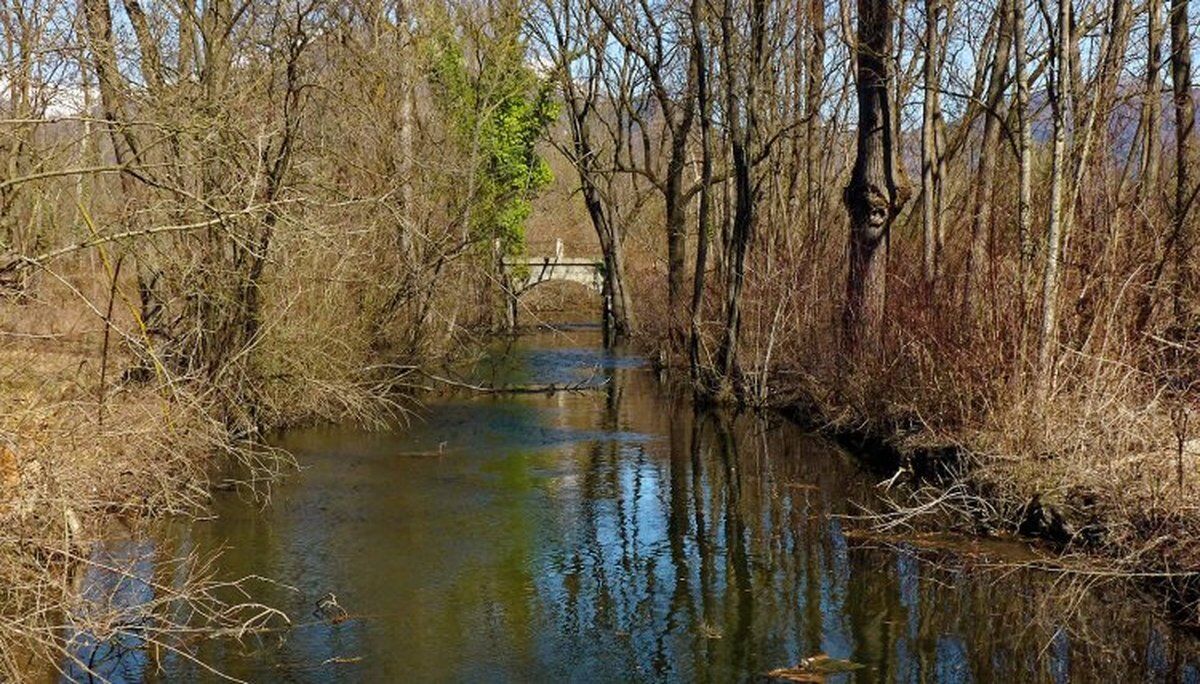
[616, 534]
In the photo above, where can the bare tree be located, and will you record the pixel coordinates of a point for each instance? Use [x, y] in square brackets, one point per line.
[931, 180]
[642, 31]
[1187, 280]
[1048, 341]
[741, 83]
[1150, 151]
[579, 47]
[1024, 152]
[814, 96]
[703, 220]
[875, 193]
[981, 230]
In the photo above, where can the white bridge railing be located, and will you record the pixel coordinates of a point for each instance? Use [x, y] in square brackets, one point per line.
[529, 271]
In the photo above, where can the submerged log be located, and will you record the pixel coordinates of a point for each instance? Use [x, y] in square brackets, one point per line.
[584, 385]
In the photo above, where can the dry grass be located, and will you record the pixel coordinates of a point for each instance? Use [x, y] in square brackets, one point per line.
[72, 465]
[1113, 447]
[83, 445]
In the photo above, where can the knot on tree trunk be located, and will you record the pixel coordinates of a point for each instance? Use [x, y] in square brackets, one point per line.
[871, 210]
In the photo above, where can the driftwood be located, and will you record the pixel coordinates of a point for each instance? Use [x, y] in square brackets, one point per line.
[817, 668]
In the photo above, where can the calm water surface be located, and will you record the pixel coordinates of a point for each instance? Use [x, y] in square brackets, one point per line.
[613, 535]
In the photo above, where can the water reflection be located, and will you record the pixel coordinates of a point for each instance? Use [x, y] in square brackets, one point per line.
[621, 535]
[119, 581]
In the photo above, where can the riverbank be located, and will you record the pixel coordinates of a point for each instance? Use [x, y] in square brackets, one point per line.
[74, 469]
[67, 457]
[1115, 504]
[620, 533]
[1098, 456]
[90, 448]
[1041, 496]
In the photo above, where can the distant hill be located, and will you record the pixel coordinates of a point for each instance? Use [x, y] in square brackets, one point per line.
[1122, 125]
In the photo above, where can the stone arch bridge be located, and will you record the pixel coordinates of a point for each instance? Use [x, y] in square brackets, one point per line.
[527, 272]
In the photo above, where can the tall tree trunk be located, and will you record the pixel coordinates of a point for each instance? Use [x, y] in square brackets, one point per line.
[405, 127]
[618, 311]
[742, 121]
[98, 19]
[677, 108]
[703, 92]
[978, 261]
[874, 194]
[1097, 250]
[676, 209]
[125, 142]
[185, 67]
[580, 93]
[619, 314]
[1113, 47]
[812, 124]
[1187, 272]
[676, 215]
[1151, 161]
[1024, 159]
[1049, 329]
[1152, 105]
[931, 183]
[150, 63]
[624, 319]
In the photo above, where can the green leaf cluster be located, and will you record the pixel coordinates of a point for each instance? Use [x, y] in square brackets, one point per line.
[497, 109]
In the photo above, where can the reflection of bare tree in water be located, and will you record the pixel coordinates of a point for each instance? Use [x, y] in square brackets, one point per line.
[624, 534]
[678, 527]
[742, 594]
[721, 550]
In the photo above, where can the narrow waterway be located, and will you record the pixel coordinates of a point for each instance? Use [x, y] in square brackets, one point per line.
[614, 535]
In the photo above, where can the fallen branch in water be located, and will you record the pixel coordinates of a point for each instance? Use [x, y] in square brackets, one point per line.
[584, 385]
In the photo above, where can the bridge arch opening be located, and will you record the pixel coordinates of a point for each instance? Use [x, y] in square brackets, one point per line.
[559, 301]
[532, 282]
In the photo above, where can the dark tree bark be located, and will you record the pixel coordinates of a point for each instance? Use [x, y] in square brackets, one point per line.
[151, 63]
[875, 193]
[580, 93]
[125, 142]
[618, 314]
[98, 19]
[1096, 250]
[812, 124]
[1187, 277]
[1151, 161]
[740, 107]
[678, 108]
[931, 180]
[703, 92]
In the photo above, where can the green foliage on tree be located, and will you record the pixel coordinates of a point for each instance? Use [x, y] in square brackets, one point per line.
[497, 108]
